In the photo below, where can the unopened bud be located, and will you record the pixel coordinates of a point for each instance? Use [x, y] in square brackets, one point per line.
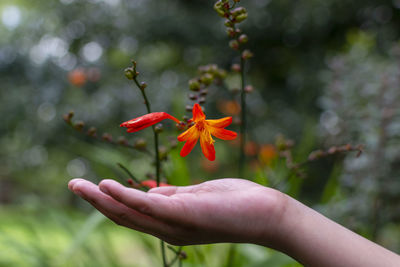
[249, 89]
[243, 39]
[231, 32]
[140, 143]
[79, 125]
[247, 54]
[207, 79]
[92, 131]
[315, 155]
[122, 141]
[130, 73]
[228, 23]
[192, 96]
[236, 67]
[237, 11]
[203, 92]
[234, 44]
[194, 85]
[332, 150]
[241, 17]
[219, 8]
[239, 14]
[107, 137]
[163, 152]
[221, 74]
[67, 117]
[143, 85]
[188, 108]
[158, 128]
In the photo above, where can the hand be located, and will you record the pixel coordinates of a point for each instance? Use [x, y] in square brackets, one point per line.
[225, 210]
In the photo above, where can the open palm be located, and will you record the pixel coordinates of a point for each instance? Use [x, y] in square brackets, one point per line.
[225, 210]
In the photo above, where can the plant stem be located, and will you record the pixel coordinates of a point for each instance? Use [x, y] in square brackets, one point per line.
[164, 258]
[129, 173]
[243, 123]
[157, 159]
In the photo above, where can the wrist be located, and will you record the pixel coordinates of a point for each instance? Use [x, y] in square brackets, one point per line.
[274, 208]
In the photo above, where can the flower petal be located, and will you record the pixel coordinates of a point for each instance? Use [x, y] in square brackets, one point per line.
[198, 113]
[189, 145]
[188, 134]
[222, 133]
[207, 145]
[220, 123]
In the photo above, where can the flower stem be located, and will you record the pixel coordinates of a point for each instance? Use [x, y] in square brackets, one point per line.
[164, 258]
[157, 158]
[156, 149]
[243, 123]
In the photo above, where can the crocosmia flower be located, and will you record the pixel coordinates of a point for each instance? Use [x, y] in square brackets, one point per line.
[201, 129]
[147, 120]
[204, 129]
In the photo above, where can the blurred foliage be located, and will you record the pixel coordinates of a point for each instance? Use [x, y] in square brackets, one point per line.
[324, 72]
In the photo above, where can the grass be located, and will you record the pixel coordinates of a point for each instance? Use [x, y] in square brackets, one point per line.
[54, 237]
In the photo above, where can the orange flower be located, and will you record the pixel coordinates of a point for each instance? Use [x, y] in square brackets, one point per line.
[268, 153]
[77, 77]
[203, 129]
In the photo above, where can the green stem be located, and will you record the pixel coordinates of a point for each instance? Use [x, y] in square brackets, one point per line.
[177, 255]
[243, 123]
[164, 258]
[157, 159]
[129, 173]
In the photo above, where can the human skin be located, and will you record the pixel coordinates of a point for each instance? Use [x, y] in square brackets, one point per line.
[237, 211]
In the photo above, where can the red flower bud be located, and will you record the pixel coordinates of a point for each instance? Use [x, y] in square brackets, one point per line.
[147, 120]
[152, 184]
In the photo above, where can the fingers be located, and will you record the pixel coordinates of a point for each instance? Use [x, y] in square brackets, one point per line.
[116, 211]
[156, 205]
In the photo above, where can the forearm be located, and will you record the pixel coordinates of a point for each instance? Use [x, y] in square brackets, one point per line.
[314, 240]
